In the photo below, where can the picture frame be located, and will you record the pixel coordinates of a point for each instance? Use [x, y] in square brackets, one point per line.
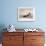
[26, 14]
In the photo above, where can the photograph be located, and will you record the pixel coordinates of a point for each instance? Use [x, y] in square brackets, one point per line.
[26, 14]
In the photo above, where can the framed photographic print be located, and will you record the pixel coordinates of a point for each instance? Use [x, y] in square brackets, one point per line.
[26, 14]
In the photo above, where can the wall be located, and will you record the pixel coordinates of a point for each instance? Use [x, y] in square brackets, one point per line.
[9, 13]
